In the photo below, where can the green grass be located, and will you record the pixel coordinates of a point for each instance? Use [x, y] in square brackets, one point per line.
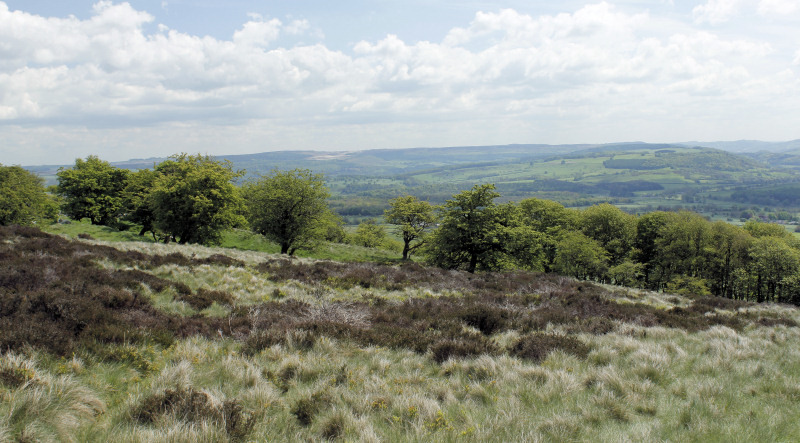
[237, 239]
[643, 384]
[73, 228]
[635, 384]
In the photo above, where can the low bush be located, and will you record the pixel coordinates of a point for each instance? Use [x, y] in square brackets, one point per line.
[536, 347]
[204, 298]
[192, 406]
[307, 407]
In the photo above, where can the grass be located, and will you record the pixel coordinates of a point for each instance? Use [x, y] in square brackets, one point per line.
[291, 350]
[237, 239]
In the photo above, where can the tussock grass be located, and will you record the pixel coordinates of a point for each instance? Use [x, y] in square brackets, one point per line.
[301, 350]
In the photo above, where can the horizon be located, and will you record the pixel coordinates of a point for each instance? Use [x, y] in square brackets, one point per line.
[141, 78]
[693, 143]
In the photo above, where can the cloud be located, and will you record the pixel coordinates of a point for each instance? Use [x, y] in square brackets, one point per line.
[258, 32]
[778, 7]
[716, 11]
[503, 77]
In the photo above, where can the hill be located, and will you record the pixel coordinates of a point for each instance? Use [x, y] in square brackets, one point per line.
[132, 341]
[637, 176]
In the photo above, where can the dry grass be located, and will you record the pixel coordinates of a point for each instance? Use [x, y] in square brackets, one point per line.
[447, 357]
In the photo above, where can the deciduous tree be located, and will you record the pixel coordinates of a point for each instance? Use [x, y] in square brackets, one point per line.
[369, 234]
[413, 218]
[23, 199]
[137, 199]
[580, 256]
[92, 189]
[471, 233]
[289, 208]
[194, 198]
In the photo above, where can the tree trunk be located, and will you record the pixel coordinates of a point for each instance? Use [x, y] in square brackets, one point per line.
[284, 248]
[405, 250]
[473, 263]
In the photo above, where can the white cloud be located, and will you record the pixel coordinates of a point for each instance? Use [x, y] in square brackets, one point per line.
[598, 73]
[778, 7]
[258, 32]
[716, 11]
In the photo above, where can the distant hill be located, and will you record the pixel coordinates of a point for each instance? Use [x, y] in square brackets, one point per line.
[639, 175]
[748, 146]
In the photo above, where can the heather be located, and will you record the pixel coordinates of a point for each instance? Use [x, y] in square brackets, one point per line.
[132, 342]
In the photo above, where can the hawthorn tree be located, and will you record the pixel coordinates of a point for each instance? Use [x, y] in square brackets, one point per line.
[472, 234]
[369, 234]
[194, 199]
[92, 189]
[413, 218]
[23, 199]
[289, 208]
[137, 204]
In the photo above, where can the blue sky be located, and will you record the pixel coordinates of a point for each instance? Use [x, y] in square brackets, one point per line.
[151, 78]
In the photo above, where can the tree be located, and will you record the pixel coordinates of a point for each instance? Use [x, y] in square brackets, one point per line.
[730, 246]
[580, 256]
[648, 228]
[547, 216]
[23, 199]
[471, 233]
[92, 189]
[137, 201]
[369, 234]
[684, 246]
[194, 198]
[772, 260]
[613, 228]
[550, 219]
[412, 217]
[289, 208]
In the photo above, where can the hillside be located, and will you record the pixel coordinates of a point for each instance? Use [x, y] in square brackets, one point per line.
[637, 176]
[133, 341]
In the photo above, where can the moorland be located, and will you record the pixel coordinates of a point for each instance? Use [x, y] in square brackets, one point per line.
[134, 341]
[110, 334]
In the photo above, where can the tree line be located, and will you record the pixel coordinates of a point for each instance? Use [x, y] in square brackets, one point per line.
[194, 198]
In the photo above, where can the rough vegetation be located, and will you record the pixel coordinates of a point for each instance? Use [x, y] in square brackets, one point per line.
[95, 349]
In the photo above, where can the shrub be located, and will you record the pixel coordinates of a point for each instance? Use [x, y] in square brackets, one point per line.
[204, 298]
[307, 407]
[537, 347]
[190, 405]
[444, 349]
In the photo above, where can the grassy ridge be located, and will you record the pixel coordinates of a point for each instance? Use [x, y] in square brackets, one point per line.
[211, 344]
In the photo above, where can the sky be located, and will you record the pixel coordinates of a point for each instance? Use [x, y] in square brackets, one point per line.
[151, 78]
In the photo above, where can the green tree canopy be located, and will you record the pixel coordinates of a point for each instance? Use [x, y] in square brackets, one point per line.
[369, 234]
[92, 189]
[23, 199]
[471, 233]
[413, 218]
[547, 216]
[613, 228]
[137, 201]
[580, 256]
[194, 198]
[289, 208]
[772, 261]
[683, 245]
